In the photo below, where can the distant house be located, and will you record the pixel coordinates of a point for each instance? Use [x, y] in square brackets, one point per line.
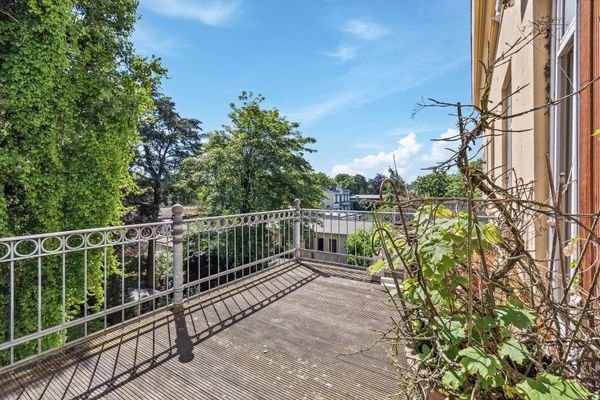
[329, 236]
[363, 201]
[337, 199]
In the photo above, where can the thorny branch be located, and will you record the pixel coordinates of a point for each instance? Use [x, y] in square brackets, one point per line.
[565, 338]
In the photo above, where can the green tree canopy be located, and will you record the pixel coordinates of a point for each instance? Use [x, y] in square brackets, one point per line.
[375, 183]
[324, 181]
[357, 184]
[257, 163]
[72, 93]
[442, 184]
[434, 184]
[166, 139]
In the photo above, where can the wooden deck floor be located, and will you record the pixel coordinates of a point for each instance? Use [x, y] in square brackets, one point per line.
[283, 334]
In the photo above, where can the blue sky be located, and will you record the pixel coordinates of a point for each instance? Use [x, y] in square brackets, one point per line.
[350, 71]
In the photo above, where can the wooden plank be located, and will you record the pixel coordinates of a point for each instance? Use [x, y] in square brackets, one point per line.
[288, 333]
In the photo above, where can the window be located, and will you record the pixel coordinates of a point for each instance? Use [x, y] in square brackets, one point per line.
[564, 116]
[564, 123]
[333, 245]
[320, 245]
[569, 10]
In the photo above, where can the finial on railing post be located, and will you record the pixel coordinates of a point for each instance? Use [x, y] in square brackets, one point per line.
[297, 220]
[177, 231]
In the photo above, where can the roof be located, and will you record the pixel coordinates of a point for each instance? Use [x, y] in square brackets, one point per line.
[366, 197]
[341, 226]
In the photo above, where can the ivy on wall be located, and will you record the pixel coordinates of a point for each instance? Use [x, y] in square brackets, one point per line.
[72, 94]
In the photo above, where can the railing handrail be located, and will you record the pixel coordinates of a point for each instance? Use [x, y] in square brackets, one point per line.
[217, 217]
[170, 222]
[281, 236]
[353, 211]
[84, 231]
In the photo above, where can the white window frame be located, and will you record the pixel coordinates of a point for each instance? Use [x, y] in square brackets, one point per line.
[564, 39]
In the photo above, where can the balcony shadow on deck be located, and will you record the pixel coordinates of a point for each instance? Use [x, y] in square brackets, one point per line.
[276, 335]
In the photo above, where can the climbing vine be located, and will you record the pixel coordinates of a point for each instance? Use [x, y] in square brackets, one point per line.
[72, 92]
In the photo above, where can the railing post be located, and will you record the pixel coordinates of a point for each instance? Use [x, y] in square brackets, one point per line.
[297, 220]
[177, 231]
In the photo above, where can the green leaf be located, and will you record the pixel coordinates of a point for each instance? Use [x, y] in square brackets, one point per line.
[440, 251]
[438, 298]
[596, 132]
[491, 233]
[485, 323]
[513, 350]
[451, 331]
[551, 387]
[425, 351]
[477, 361]
[517, 314]
[453, 379]
[452, 352]
[443, 212]
[377, 267]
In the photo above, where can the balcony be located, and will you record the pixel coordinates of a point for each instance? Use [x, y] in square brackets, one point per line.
[241, 306]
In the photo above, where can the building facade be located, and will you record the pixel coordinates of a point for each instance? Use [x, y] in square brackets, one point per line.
[515, 148]
[559, 64]
[337, 199]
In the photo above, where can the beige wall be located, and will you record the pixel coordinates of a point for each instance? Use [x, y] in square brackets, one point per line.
[339, 257]
[525, 70]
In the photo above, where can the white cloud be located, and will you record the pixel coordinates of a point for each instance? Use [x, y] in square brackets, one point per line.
[148, 43]
[343, 53]
[344, 169]
[364, 30]
[408, 149]
[209, 12]
[440, 148]
[316, 111]
[406, 131]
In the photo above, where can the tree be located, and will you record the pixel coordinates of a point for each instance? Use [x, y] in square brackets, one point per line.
[324, 181]
[342, 181]
[165, 140]
[456, 181]
[359, 185]
[363, 243]
[456, 186]
[375, 183]
[356, 184]
[398, 181]
[72, 92]
[433, 184]
[359, 244]
[255, 164]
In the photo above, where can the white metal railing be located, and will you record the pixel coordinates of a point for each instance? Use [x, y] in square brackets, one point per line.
[60, 288]
[342, 237]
